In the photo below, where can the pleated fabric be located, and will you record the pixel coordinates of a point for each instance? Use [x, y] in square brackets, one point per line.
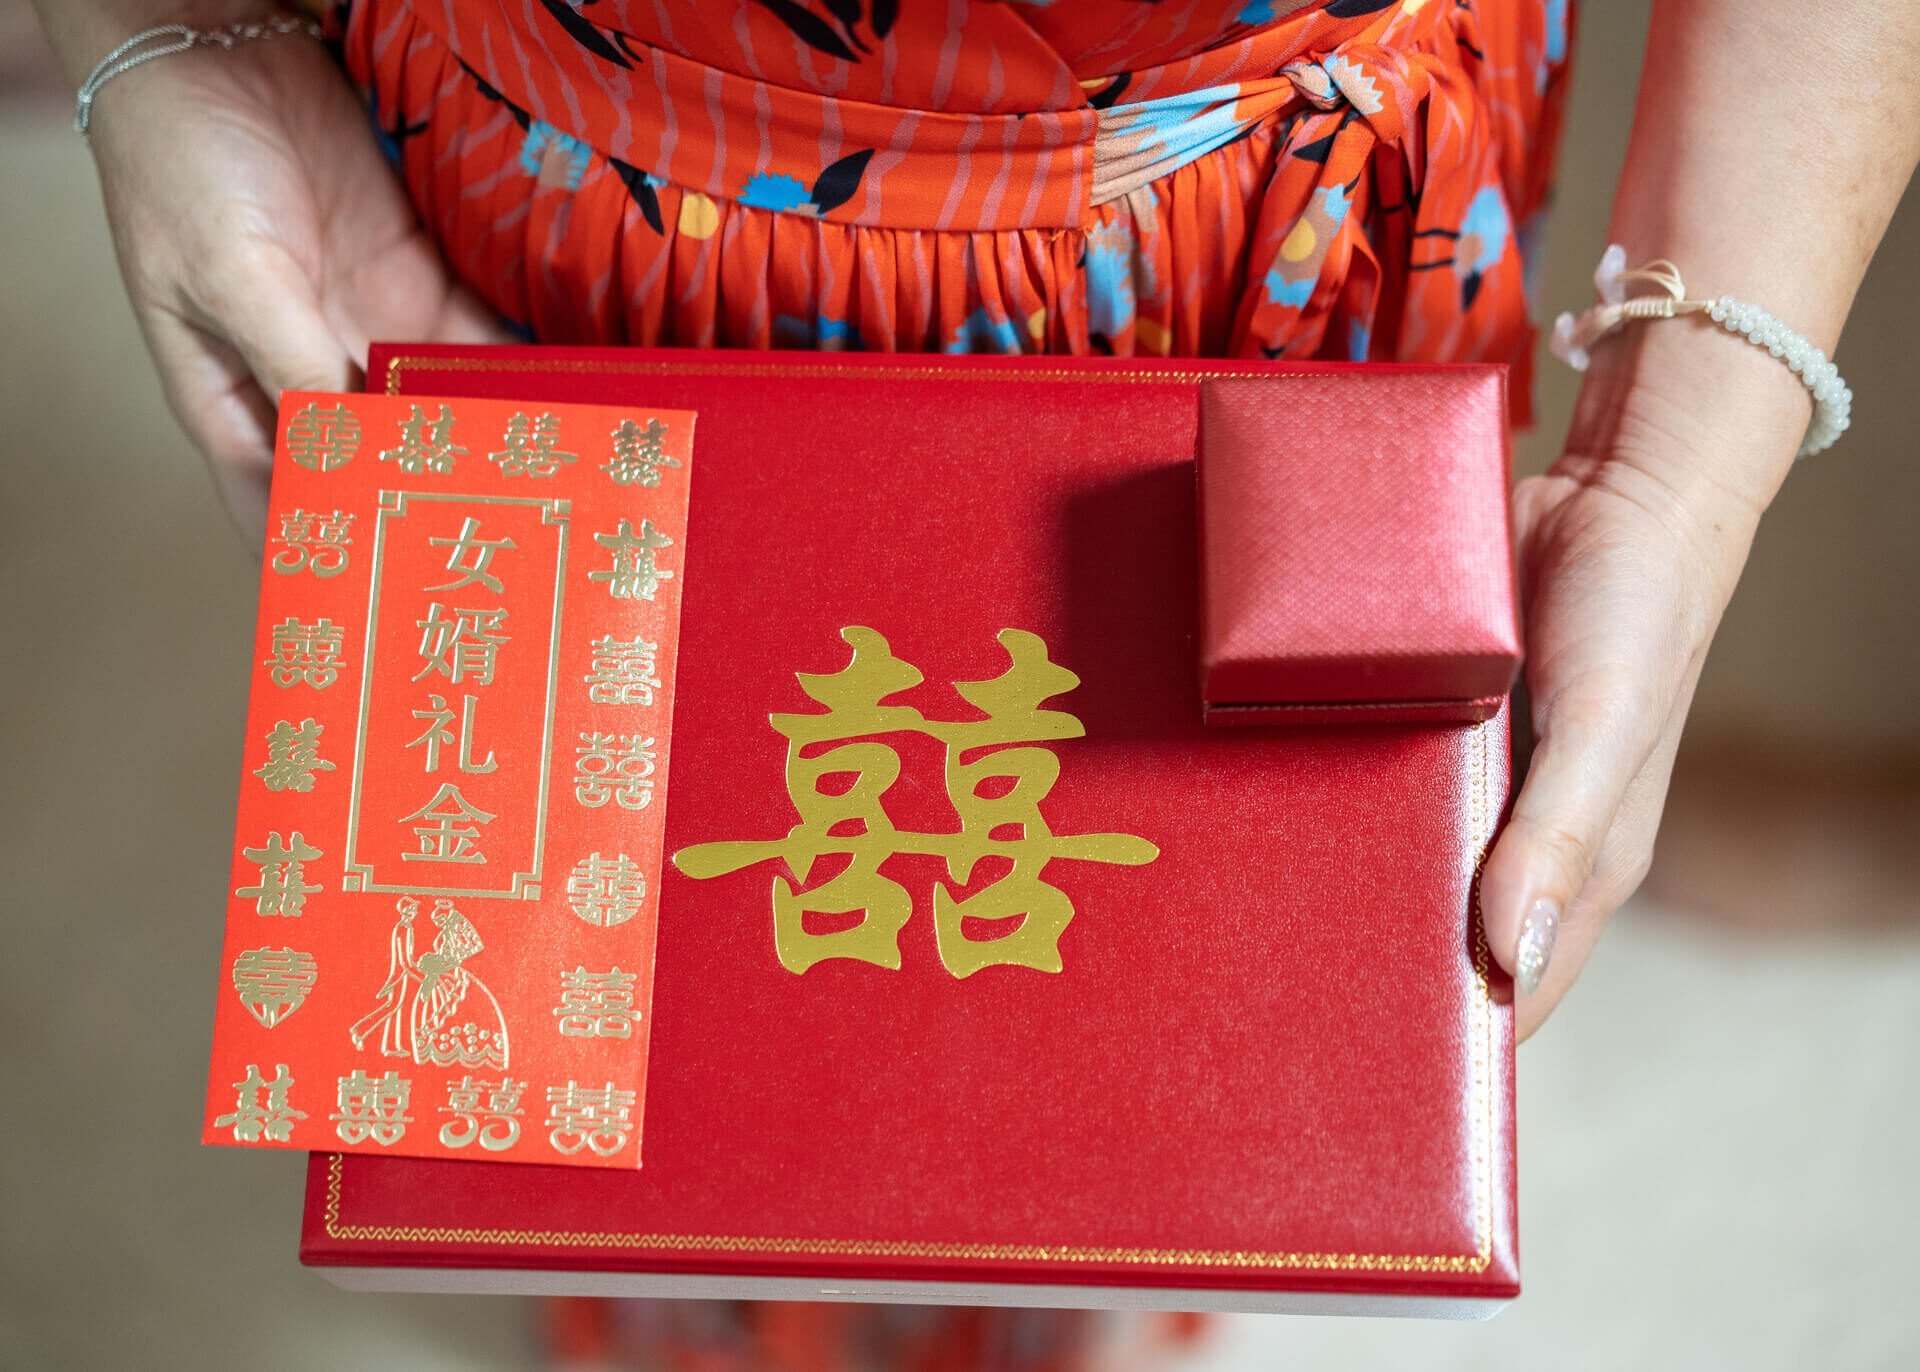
[1352, 179]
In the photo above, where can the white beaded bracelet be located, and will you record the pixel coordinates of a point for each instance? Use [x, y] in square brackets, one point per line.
[1574, 338]
[167, 39]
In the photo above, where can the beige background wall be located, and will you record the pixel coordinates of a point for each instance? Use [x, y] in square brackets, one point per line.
[1822, 645]
[1716, 1131]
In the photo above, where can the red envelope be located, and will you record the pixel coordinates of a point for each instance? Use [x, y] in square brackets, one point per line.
[448, 852]
[985, 971]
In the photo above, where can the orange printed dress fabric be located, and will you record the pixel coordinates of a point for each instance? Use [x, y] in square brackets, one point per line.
[441, 919]
[1349, 179]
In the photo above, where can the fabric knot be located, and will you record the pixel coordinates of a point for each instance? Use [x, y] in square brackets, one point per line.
[1140, 142]
[1381, 85]
[1333, 81]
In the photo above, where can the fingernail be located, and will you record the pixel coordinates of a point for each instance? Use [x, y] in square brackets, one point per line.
[1537, 933]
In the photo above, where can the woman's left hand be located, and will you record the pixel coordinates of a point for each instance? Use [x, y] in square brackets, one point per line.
[1629, 547]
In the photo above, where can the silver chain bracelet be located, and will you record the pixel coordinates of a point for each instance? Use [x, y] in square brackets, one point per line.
[167, 39]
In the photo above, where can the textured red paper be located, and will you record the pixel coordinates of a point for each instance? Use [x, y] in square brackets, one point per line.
[1275, 1057]
[440, 937]
[1356, 546]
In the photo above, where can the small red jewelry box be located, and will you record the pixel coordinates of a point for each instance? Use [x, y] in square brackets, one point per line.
[1356, 546]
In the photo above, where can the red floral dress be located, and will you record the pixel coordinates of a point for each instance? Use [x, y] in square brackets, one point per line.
[1337, 179]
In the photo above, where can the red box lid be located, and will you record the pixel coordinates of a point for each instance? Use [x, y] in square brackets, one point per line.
[1274, 1058]
[1356, 544]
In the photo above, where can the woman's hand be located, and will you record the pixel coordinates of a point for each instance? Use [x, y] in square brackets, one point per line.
[264, 241]
[1630, 548]
[1631, 545]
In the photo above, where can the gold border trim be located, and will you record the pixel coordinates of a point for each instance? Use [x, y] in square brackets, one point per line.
[359, 876]
[587, 366]
[1481, 1011]
[895, 1248]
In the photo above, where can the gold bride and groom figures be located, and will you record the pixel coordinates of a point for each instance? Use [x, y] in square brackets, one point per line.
[432, 1009]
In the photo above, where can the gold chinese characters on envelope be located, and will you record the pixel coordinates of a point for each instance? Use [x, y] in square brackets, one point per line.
[441, 912]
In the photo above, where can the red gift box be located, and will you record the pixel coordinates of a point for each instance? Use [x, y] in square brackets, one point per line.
[1356, 546]
[985, 972]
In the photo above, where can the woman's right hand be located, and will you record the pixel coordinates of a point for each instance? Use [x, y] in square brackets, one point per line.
[264, 240]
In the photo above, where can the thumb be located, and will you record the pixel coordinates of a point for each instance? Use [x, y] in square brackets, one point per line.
[274, 320]
[225, 365]
[465, 318]
[1591, 746]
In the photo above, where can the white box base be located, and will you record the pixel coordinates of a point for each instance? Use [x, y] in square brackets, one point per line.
[495, 1281]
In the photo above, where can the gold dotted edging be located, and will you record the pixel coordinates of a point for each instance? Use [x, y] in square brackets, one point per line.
[1449, 1263]
[892, 1248]
[588, 366]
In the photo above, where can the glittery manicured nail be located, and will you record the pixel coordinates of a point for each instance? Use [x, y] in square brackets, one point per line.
[1537, 933]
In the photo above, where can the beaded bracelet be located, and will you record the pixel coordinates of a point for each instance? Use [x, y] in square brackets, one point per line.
[166, 39]
[1574, 338]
